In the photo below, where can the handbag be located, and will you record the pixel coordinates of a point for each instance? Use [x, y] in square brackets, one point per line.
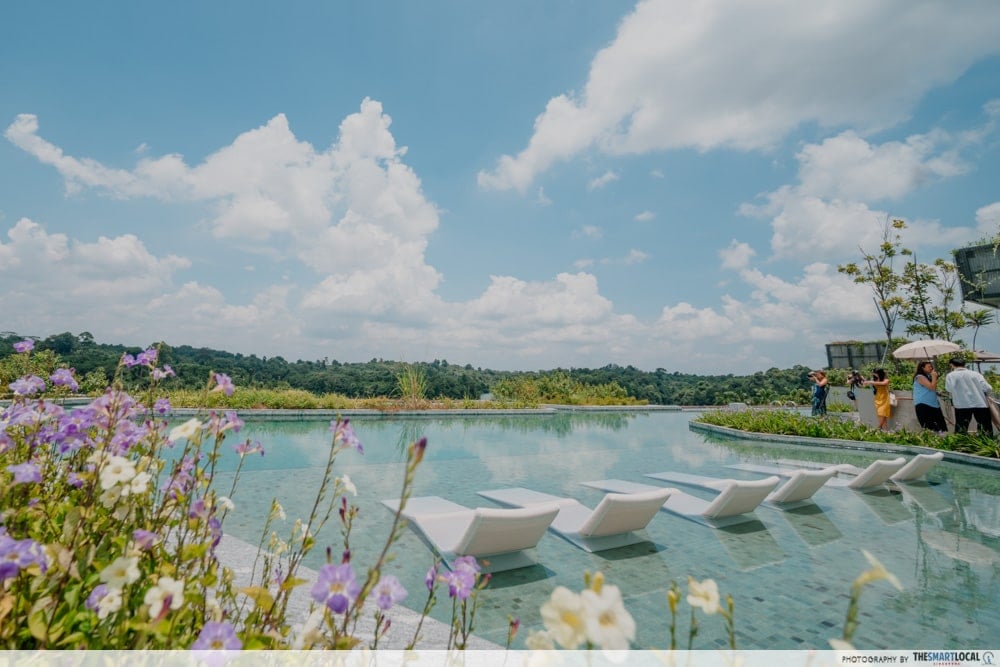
[893, 401]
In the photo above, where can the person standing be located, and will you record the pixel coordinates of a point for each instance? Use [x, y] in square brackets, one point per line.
[820, 390]
[883, 406]
[925, 398]
[968, 391]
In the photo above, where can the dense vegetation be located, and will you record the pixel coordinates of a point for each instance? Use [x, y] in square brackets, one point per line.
[786, 422]
[95, 365]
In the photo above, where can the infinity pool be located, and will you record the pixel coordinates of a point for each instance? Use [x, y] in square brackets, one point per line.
[789, 573]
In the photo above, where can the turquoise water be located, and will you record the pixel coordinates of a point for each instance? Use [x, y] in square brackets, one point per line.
[789, 573]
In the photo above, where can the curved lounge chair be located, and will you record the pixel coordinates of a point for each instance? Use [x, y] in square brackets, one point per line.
[733, 504]
[872, 477]
[499, 536]
[799, 488]
[914, 469]
[607, 526]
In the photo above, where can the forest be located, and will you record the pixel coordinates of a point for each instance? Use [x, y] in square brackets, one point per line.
[96, 363]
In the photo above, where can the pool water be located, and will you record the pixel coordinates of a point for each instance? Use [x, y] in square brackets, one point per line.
[789, 573]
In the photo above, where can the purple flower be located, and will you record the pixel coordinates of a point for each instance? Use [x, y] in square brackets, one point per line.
[26, 345]
[25, 473]
[247, 447]
[223, 383]
[162, 405]
[128, 361]
[345, 432]
[217, 635]
[432, 576]
[336, 587]
[146, 357]
[233, 421]
[94, 599]
[27, 385]
[18, 554]
[166, 372]
[462, 578]
[64, 378]
[388, 591]
[144, 539]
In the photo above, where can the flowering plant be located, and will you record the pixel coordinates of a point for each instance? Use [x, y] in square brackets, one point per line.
[110, 525]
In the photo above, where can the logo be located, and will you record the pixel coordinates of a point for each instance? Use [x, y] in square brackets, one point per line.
[988, 658]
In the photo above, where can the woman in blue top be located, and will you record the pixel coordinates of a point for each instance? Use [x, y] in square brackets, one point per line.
[925, 398]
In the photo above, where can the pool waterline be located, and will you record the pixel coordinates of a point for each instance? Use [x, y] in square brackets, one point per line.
[790, 575]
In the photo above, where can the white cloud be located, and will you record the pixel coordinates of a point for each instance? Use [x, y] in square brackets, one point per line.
[542, 199]
[602, 180]
[588, 232]
[827, 213]
[988, 219]
[737, 255]
[647, 90]
[645, 216]
[636, 256]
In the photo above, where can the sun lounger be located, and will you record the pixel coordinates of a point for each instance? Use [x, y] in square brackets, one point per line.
[733, 504]
[914, 469]
[874, 476]
[608, 526]
[498, 536]
[797, 491]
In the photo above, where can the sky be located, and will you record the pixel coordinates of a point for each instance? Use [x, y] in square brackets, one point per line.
[519, 186]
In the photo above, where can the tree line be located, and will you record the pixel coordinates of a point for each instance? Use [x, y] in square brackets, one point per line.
[96, 364]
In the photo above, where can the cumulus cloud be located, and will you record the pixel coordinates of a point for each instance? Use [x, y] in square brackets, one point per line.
[645, 216]
[737, 255]
[647, 90]
[988, 218]
[828, 212]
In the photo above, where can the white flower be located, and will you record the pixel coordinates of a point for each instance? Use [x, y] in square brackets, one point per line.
[188, 430]
[563, 618]
[117, 470]
[608, 624]
[348, 485]
[167, 591]
[139, 483]
[124, 570]
[877, 573]
[704, 594]
[277, 511]
[225, 503]
[110, 497]
[841, 645]
[110, 603]
[539, 641]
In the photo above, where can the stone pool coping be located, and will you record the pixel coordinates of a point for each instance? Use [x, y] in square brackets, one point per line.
[836, 443]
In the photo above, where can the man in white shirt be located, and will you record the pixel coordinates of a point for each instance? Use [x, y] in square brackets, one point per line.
[968, 391]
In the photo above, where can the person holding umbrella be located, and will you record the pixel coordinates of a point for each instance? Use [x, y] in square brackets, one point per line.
[925, 398]
[968, 391]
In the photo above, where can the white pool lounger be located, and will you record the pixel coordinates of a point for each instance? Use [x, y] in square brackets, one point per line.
[733, 505]
[609, 525]
[872, 477]
[797, 491]
[498, 536]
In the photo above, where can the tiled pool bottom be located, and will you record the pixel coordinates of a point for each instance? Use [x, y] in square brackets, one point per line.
[790, 576]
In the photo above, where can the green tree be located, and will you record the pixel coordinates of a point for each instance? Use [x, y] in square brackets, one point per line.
[930, 297]
[977, 319]
[876, 270]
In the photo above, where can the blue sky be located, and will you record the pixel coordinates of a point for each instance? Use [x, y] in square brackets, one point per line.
[520, 185]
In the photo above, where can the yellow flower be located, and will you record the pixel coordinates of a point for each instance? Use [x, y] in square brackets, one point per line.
[563, 618]
[704, 594]
[188, 430]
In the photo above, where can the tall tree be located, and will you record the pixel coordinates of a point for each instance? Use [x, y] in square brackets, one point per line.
[876, 270]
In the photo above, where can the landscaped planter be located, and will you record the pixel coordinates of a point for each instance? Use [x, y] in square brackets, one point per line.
[979, 271]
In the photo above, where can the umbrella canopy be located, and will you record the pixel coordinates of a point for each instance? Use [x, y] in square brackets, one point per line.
[925, 349]
[986, 357]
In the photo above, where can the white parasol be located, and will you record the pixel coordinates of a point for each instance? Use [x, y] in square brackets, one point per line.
[925, 349]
